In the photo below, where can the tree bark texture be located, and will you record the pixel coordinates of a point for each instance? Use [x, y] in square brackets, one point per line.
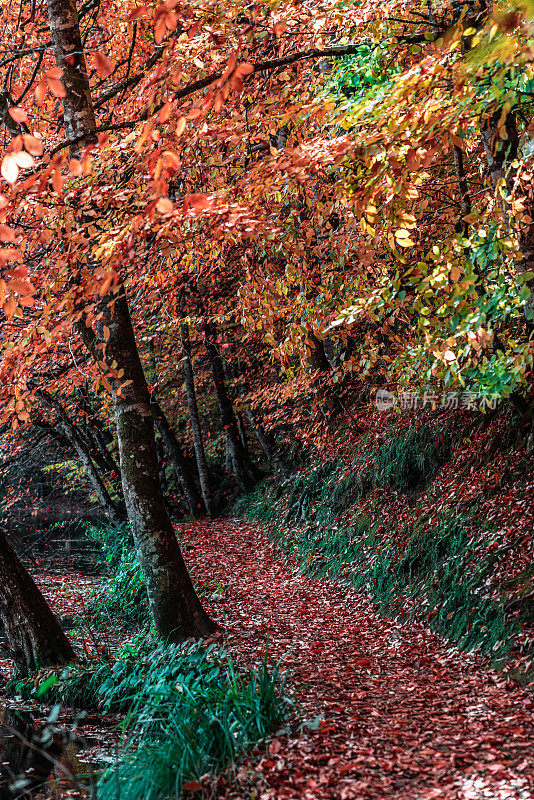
[196, 430]
[33, 632]
[78, 113]
[176, 609]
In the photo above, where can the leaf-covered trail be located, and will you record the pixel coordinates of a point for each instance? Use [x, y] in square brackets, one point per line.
[405, 715]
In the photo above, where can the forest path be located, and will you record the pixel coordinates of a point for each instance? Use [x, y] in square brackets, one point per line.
[405, 715]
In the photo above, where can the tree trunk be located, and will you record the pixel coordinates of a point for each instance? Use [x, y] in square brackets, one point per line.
[34, 634]
[245, 473]
[176, 609]
[78, 113]
[259, 434]
[69, 431]
[242, 432]
[160, 453]
[180, 465]
[196, 430]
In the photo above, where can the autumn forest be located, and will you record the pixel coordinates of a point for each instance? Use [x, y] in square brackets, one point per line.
[267, 399]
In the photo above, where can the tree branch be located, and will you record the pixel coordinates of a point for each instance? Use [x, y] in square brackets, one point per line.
[283, 61]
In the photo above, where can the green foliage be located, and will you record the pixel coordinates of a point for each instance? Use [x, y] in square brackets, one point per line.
[75, 685]
[412, 458]
[190, 712]
[364, 74]
[123, 596]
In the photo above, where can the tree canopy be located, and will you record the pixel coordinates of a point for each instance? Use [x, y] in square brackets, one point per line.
[289, 172]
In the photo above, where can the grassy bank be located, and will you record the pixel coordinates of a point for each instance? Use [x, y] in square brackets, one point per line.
[380, 523]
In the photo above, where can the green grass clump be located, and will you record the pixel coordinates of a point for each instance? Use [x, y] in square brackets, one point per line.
[412, 458]
[190, 712]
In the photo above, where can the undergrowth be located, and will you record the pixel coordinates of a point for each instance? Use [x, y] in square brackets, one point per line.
[189, 712]
[122, 598]
[404, 463]
[433, 571]
[123, 595]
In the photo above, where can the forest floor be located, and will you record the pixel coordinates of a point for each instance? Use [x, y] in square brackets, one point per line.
[404, 714]
[395, 711]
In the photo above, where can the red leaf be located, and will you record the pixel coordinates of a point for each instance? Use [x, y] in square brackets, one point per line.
[193, 30]
[40, 92]
[32, 145]
[171, 160]
[9, 306]
[56, 87]
[23, 288]
[171, 20]
[165, 112]
[57, 181]
[165, 206]
[160, 30]
[18, 114]
[104, 65]
[6, 234]
[55, 73]
[141, 11]
[75, 166]
[9, 169]
[246, 68]
[197, 202]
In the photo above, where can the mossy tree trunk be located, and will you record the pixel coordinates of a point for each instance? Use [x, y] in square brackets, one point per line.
[175, 607]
